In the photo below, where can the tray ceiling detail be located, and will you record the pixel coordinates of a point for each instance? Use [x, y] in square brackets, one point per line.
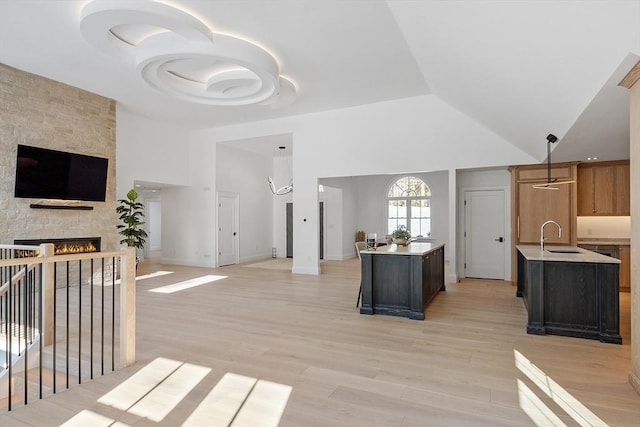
[177, 54]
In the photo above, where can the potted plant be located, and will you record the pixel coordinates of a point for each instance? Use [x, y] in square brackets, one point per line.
[401, 235]
[131, 214]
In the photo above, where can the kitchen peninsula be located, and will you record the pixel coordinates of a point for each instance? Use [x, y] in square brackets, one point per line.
[401, 280]
[570, 291]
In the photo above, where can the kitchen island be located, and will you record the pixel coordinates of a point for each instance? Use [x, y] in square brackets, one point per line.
[401, 280]
[570, 291]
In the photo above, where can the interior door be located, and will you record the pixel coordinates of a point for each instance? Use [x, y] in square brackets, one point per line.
[289, 215]
[154, 219]
[321, 227]
[484, 234]
[227, 229]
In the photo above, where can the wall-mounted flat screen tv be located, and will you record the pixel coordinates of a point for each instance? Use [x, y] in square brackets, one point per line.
[50, 174]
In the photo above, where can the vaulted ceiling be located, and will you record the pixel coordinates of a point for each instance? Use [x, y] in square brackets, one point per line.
[522, 69]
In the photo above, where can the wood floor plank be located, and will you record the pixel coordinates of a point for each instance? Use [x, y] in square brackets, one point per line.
[222, 404]
[455, 368]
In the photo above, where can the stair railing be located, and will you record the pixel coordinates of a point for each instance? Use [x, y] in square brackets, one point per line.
[63, 314]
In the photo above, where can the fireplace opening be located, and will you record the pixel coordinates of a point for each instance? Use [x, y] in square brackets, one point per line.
[75, 245]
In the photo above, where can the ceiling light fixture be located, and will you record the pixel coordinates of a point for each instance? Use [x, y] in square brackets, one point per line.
[177, 54]
[551, 182]
[282, 166]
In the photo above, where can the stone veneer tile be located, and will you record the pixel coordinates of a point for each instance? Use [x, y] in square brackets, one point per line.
[45, 113]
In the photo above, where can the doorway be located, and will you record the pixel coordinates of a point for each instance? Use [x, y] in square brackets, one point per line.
[228, 219]
[321, 228]
[484, 234]
[289, 229]
[154, 220]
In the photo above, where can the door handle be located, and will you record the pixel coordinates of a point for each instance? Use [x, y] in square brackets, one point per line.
[499, 239]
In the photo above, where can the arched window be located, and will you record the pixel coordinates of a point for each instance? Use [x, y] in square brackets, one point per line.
[409, 204]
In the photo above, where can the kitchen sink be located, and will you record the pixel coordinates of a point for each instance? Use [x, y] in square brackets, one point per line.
[561, 250]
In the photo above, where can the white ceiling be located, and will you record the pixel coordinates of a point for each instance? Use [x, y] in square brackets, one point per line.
[522, 69]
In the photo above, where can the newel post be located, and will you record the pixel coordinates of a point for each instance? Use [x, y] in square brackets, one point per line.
[128, 307]
[631, 81]
[48, 290]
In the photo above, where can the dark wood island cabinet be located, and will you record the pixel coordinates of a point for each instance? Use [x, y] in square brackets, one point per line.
[570, 291]
[401, 280]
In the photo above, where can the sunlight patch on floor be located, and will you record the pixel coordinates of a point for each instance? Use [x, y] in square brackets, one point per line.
[222, 403]
[108, 277]
[140, 384]
[572, 406]
[158, 388]
[154, 274]
[264, 406]
[536, 408]
[162, 399]
[87, 418]
[191, 283]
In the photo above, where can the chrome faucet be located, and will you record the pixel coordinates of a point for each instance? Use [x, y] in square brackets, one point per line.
[542, 232]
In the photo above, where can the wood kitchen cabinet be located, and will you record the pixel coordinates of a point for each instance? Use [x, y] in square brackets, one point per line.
[531, 207]
[603, 189]
[625, 268]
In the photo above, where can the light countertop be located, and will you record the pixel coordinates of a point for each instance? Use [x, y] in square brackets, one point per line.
[533, 253]
[603, 241]
[413, 248]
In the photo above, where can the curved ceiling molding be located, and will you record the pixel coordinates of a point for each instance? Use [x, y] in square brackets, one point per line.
[179, 55]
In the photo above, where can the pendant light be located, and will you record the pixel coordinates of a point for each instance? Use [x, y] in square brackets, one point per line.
[282, 166]
[551, 182]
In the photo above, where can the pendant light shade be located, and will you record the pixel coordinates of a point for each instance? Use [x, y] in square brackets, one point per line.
[551, 182]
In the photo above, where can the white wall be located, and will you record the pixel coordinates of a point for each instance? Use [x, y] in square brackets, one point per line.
[183, 164]
[245, 173]
[488, 179]
[395, 137]
[372, 203]
[149, 151]
[333, 223]
[349, 189]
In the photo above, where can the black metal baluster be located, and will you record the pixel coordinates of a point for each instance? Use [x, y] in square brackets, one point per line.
[79, 321]
[91, 327]
[40, 327]
[113, 313]
[24, 328]
[55, 322]
[102, 325]
[67, 331]
[9, 341]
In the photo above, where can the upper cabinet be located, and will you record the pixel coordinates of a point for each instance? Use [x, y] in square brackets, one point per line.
[531, 207]
[534, 206]
[603, 189]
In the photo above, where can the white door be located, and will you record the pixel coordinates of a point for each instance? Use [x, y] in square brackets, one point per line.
[484, 234]
[155, 225]
[227, 229]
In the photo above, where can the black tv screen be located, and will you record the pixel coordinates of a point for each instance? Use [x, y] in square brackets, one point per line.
[50, 174]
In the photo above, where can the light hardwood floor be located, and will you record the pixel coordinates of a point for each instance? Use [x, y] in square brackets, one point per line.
[455, 368]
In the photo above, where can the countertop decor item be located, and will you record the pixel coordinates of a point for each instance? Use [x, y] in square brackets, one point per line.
[401, 235]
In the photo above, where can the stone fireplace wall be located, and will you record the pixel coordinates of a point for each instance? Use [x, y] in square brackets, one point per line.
[44, 113]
